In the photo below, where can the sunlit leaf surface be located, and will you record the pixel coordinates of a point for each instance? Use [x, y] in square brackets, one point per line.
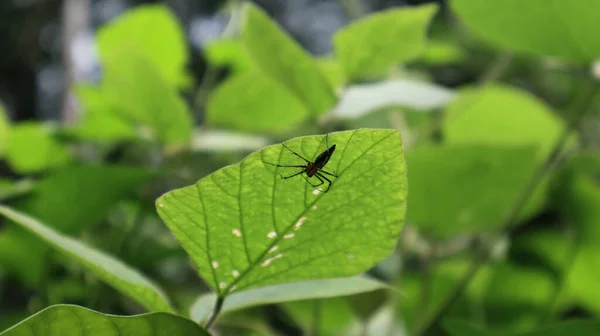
[245, 227]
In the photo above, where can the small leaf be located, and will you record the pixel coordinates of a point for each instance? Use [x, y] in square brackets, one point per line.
[153, 32]
[282, 59]
[456, 327]
[485, 116]
[70, 320]
[4, 130]
[371, 46]
[335, 316]
[132, 83]
[245, 227]
[110, 270]
[297, 291]
[359, 100]
[102, 120]
[252, 102]
[554, 28]
[32, 148]
[228, 53]
[472, 187]
[95, 189]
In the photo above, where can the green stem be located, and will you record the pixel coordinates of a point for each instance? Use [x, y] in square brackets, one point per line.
[215, 313]
[316, 322]
[581, 105]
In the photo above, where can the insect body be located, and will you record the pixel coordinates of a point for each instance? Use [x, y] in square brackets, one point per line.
[312, 168]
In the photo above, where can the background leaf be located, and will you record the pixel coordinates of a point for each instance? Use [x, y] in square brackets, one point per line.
[166, 49]
[67, 320]
[573, 327]
[372, 45]
[246, 227]
[260, 104]
[110, 270]
[286, 292]
[4, 130]
[554, 28]
[32, 148]
[472, 187]
[283, 60]
[93, 189]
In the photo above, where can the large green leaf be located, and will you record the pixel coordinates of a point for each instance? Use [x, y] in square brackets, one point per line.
[70, 320]
[461, 189]
[245, 227]
[573, 327]
[541, 27]
[93, 189]
[228, 53]
[4, 129]
[501, 115]
[105, 267]
[252, 102]
[296, 291]
[371, 46]
[151, 31]
[32, 148]
[133, 84]
[282, 59]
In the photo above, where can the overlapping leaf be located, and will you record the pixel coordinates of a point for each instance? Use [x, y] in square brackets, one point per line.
[67, 320]
[245, 227]
[107, 268]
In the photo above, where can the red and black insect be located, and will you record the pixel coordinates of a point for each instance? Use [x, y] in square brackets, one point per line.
[312, 168]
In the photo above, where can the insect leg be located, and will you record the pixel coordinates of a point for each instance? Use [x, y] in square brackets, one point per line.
[298, 155]
[328, 173]
[313, 185]
[320, 176]
[284, 166]
[287, 177]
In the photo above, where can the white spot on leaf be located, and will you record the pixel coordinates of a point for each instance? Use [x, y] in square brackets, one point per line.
[215, 264]
[350, 256]
[273, 249]
[314, 207]
[236, 232]
[272, 234]
[288, 236]
[161, 205]
[222, 285]
[235, 273]
[300, 222]
[270, 260]
[316, 191]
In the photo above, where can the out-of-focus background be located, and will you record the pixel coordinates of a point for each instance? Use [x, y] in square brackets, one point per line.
[105, 105]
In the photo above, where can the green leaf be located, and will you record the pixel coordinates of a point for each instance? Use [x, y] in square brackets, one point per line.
[245, 227]
[555, 28]
[486, 116]
[94, 189]
[282, 59]
[102, 120]
[133, 84]
[335, 315]
[228, 53]
[333, 71]
[71, 320]
[372, 45]
[4, 130]
[297, 291]
[32, 148]
[439, 53]
[252, 102]
[472, 187]
[573, 327]
[153, 32]
[109, 269]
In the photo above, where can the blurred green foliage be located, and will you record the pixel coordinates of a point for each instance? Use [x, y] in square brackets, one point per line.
[496, 176]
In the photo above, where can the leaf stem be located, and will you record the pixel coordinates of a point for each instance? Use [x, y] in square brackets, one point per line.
[215, 312]
[582, 103]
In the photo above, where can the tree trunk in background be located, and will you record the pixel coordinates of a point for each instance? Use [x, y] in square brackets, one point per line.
[76, 19]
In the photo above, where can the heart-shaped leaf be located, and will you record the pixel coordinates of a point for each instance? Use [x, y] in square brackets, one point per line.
[67, 320]
[245, 227]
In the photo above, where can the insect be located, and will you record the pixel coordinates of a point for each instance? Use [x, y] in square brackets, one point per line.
[312, 168]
